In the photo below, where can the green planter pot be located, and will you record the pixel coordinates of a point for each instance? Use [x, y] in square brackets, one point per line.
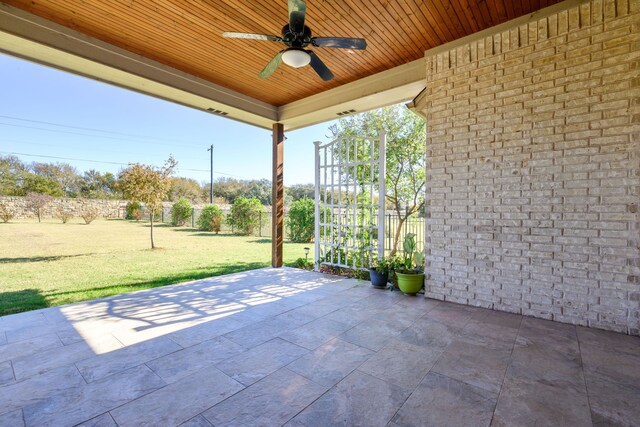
[410, 284]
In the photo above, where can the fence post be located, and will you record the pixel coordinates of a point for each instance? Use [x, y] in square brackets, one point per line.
[260, 224]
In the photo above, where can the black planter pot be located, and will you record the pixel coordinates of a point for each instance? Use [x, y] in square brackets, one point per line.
[378, 280]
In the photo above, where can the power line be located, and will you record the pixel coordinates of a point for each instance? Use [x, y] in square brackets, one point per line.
[109, 163]
[75, 148]
[86, 134]
[153, 138]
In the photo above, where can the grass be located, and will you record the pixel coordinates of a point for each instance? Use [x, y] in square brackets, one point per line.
[50, 263]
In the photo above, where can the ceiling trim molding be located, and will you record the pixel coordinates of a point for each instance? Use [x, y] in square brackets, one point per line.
[525, 19]
[393, 86]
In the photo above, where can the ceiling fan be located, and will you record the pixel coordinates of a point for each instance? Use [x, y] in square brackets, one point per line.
[297, 36]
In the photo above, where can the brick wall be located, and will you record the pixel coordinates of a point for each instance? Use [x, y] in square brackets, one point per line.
[533, 147]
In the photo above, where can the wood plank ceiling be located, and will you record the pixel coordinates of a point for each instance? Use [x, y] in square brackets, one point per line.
[186, 34]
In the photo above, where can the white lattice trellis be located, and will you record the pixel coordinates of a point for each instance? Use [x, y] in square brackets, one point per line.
[349, 209]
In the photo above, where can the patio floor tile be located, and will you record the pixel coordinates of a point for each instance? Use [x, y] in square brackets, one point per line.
[197, 421]
[269, 402]
[330, 362]
[180, 364]
[528, 400]
[104, 420]
[103, 365]
[444, 401]
[612, 403]
[6, 373]
[476, 365]
[258, 362]
[28, 347]
[285, 346]
[429, 333]
[352, 316]
[17, 395]
[84, 402]
[260, 332]
[178, 402]
[374, 334]
[623, 368]
[314, 334]
[13, 419]
[401, 364]
[206, 331]
[358, 400]
[61, 356]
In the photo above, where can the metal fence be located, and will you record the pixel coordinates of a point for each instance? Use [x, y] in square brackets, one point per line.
[263, 231]
[414, 224]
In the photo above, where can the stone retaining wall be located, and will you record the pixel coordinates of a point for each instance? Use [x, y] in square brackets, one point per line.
[105, 208]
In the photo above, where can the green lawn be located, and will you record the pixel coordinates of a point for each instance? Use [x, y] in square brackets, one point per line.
[51, 263]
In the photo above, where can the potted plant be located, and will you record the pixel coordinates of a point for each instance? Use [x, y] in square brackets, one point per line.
[410, 269]
[379, 272]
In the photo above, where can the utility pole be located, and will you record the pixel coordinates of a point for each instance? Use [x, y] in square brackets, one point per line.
[211, 186]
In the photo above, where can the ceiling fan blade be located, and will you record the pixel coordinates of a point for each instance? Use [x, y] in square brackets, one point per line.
[319, 67]
[297, 11]
[339, 42]
[271, 66]
[231, 35]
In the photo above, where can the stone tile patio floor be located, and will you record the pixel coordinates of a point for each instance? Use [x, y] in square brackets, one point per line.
[289, 347]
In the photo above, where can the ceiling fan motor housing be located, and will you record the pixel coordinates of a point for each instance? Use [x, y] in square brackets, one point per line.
[292, 39]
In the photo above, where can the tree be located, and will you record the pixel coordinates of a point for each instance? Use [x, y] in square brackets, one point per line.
[96, 185]
[300, 191]
[65, 175]
[32, 183]
[231, 188]
[12, 172]
[37, 202]
[185, 188]
[406, 147]
[149, 185]
[245, 215]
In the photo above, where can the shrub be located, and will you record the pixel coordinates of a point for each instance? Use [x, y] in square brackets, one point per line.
[210, 219]
[301, 221]
[37, 202]
[181, 212]
[133, 211]
[65, 215]
[89, 214]
[6, 213]
[137, 214]
[304, 264]
[245, 215]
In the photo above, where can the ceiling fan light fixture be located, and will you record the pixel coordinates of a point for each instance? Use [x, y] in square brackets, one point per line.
[296, 58]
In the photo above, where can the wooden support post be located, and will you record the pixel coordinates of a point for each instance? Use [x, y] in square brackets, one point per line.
[277, 196]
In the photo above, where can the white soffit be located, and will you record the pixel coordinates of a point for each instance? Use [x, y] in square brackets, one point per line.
[30, 37]
[398, 84]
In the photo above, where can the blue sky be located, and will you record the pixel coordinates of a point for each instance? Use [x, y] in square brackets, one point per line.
[47, 112]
